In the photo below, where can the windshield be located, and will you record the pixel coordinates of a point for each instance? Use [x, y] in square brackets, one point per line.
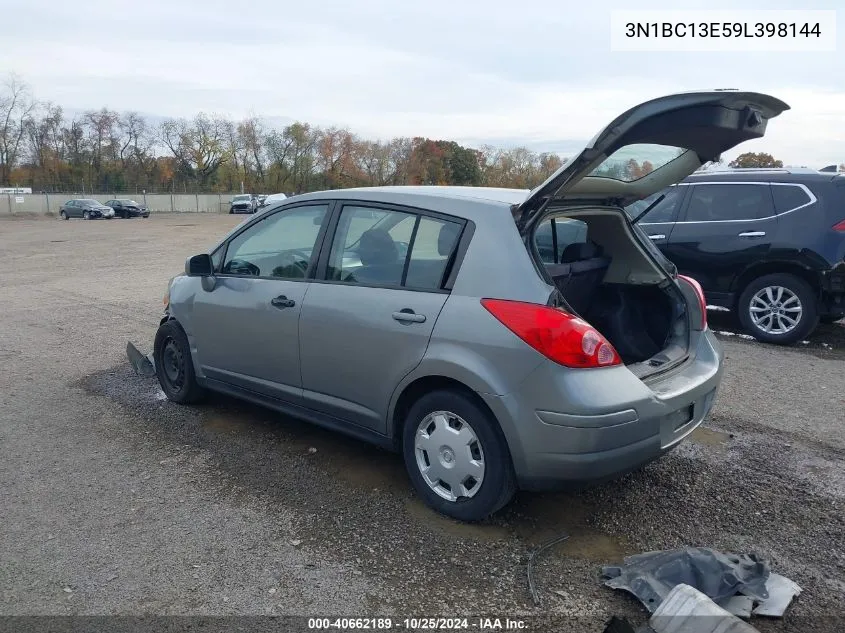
[124, 201]
[241, 198]
[632, 162]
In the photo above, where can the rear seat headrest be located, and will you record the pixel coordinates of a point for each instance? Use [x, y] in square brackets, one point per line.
[446, 238]
[580, 251]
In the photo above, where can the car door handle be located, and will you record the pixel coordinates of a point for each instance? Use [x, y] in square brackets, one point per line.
[409, 316]
[753, 234]
[282, 302]
[659, 236]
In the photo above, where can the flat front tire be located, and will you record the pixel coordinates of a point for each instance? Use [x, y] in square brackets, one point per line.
[173, 365]
[456, 456]
[778, 308]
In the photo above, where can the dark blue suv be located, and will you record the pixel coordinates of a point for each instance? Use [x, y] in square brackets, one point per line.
[768, 244]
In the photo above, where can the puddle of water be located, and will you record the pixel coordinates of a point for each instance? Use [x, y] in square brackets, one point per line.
[228, 423]
[343, 458]
[709, 437]
[369, 469]
[430, 519]
[545, 517]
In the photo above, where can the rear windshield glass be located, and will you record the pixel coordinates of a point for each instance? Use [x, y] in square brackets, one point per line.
[632, 162]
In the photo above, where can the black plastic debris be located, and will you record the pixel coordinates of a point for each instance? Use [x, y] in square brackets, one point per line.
[142, 364]
[622, 625]
[651, 576]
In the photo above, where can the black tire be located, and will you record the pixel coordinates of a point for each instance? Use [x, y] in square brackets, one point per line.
[86, 215]
[807, 321]
[498, 485]
[173, 365]
[125, 215]
[63, 214]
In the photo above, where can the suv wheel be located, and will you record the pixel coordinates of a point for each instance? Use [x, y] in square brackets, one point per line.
[173, 365]
[456, 456]
[63, 215]
[779, 308]
[86, 215]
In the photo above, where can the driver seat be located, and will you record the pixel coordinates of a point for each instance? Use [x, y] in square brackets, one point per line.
[379, 258]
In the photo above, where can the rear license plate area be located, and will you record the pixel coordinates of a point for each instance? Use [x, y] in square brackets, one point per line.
[681, 417]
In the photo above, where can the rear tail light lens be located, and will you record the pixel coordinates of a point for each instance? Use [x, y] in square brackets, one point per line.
[555, 333]
[702, 302]
[839, 227]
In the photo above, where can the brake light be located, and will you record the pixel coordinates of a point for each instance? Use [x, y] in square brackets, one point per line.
[839, 227]
[555, 333]
[702, 302]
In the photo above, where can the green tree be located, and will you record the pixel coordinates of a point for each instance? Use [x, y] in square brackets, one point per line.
[758, 159]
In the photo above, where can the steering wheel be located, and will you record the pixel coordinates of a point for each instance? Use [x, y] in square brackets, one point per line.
[298, 260]
[242, 267]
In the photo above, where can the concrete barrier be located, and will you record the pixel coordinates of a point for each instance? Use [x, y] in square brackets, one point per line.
[50, 203]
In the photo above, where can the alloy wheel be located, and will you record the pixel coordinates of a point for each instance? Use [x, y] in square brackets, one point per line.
[775, 310]
[449, 455]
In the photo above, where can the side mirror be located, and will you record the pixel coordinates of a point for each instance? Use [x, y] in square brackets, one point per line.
[199, 266]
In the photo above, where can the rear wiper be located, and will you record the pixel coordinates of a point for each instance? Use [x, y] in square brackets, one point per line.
[648, 208]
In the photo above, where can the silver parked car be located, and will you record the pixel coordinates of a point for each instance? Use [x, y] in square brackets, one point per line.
[500, 339]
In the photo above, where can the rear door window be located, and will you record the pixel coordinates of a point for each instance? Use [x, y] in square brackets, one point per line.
[729, 202]
[789, 197]
[385, 247]
[554, 235]
[664, 211]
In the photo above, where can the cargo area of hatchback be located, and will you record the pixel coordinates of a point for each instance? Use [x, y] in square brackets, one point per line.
[606, 276]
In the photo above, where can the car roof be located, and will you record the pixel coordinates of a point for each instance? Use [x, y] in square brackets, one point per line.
[798, 175]
[423, 195]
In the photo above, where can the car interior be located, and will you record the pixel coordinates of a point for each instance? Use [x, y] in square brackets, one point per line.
[609, 281]
[377, 258]
[290, 264]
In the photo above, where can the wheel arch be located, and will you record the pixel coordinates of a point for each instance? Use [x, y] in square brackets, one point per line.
[756, 271]
[416, 388]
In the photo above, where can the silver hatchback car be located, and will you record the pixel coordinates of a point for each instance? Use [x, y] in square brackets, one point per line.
[500, 339]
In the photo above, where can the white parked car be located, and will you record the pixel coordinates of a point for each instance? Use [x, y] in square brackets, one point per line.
[273, 198]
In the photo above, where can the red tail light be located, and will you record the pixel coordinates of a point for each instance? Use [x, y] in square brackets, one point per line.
[839, 227]
[702, 302]
[558, 335]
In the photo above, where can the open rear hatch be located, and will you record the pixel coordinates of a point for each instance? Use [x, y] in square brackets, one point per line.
[603, 266]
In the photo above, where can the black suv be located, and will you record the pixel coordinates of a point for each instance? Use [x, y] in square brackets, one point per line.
[768, 244]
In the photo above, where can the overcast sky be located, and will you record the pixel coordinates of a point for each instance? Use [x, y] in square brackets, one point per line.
[532, 72]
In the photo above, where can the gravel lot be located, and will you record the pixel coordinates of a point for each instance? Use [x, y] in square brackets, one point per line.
[115, 501]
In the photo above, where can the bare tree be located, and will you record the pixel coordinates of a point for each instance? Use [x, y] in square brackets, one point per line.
[251, 133]
[199, 146]
[101, 128]
[44, 137]
[16, 105]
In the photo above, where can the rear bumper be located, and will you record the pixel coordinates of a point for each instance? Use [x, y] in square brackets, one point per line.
[614, 422]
